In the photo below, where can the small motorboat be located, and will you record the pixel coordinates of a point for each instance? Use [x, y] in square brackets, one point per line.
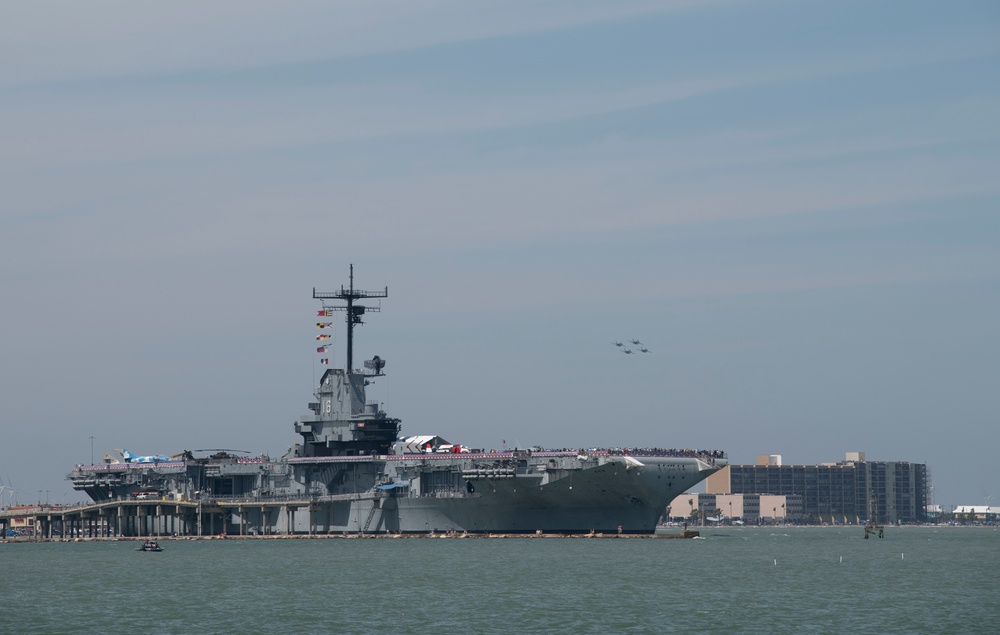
[150, 545]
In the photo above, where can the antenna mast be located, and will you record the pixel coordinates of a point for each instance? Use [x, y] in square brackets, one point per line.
[354, 312]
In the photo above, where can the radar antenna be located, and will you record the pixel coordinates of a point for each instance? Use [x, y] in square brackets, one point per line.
[354, 312]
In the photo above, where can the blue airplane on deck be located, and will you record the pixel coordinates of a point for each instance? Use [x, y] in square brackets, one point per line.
[152, 458]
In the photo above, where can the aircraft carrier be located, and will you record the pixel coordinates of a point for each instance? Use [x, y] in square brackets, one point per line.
[352, 472]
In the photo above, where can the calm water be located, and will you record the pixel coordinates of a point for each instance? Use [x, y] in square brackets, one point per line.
[745, 580]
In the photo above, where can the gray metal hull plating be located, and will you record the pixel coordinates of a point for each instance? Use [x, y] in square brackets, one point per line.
[608, 494]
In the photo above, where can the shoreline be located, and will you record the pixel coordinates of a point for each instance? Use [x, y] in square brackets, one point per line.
[356, 536]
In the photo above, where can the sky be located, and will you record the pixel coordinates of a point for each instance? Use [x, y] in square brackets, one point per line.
[794, 205]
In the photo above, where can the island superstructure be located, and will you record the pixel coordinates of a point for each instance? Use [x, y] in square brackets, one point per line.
[351, 472]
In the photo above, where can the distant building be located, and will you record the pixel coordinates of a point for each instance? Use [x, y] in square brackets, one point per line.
[934, 512]
[752, 509]
[978, 513]
[834, 492]
[22, 525]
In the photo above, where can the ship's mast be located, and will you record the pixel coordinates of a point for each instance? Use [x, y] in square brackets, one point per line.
[354, 312]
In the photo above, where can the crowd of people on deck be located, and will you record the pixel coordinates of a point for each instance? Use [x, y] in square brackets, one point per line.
[713, 454]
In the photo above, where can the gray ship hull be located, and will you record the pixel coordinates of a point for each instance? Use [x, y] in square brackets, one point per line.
[604, 497]
[601, 498]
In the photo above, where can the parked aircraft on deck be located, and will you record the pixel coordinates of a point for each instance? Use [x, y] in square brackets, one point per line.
[152, 458]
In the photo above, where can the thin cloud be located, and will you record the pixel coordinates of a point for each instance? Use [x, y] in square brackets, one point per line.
[120, 38]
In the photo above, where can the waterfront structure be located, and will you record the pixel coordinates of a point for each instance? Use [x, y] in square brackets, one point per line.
[352, 473]
[750, 509]
[835, 492]
[976, 513]
[20, 520]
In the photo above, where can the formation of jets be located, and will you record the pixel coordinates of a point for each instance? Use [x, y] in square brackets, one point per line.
[628, 351]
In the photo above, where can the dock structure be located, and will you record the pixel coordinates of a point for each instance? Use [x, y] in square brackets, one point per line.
[148, 518]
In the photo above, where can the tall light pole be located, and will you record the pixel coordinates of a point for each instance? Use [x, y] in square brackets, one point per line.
[91, 449]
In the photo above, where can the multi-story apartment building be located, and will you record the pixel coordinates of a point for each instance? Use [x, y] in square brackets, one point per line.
[835, 492]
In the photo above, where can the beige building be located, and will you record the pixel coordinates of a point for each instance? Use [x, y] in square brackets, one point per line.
[751, 509]
[25, 525]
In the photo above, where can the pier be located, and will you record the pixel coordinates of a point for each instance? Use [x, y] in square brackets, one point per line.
[141, 518]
